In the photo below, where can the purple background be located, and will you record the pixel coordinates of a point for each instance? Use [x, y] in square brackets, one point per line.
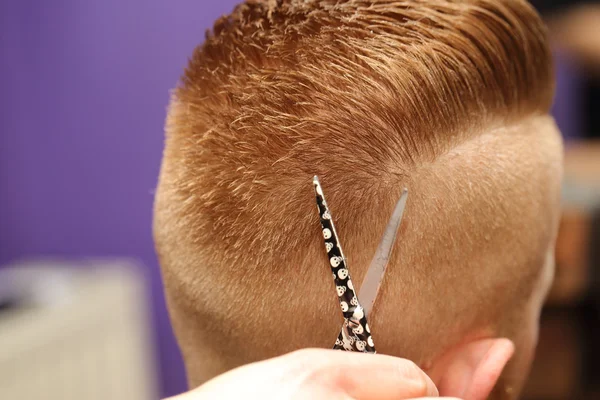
[83, 91]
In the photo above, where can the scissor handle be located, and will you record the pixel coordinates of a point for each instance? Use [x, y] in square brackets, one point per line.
[355, 334]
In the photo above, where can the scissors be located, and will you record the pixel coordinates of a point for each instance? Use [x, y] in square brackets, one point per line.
[356, 334]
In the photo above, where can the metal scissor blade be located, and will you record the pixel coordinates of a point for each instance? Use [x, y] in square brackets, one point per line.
[372, 282]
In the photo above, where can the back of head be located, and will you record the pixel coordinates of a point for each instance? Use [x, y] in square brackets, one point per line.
[448, 98]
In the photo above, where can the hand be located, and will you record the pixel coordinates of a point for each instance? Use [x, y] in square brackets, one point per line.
[320, 375]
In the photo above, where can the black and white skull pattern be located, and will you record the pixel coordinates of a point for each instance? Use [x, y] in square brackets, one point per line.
[355, 334]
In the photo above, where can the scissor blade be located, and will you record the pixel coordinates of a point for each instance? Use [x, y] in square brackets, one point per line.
[372, 282]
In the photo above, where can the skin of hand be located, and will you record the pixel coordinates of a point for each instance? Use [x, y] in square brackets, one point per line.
[318, 374]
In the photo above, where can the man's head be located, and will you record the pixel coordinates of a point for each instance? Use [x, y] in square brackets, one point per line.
[448, 98]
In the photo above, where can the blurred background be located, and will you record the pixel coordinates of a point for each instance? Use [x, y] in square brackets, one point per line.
[83, 93]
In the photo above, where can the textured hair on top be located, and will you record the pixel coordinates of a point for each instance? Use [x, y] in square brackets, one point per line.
[362, 93]
[349, 90]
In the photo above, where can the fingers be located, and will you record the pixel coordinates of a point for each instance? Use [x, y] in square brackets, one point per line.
[322, 375]
[365, 376]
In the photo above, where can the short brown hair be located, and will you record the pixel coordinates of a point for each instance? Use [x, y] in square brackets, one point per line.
[349, 90]
[360, 92]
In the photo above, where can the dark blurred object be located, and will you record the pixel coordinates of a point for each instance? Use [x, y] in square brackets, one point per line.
[551, 7]
[575, 30]
[556, 370]
[567, 364]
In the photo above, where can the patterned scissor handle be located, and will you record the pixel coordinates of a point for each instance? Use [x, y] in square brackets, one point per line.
[355, 334]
